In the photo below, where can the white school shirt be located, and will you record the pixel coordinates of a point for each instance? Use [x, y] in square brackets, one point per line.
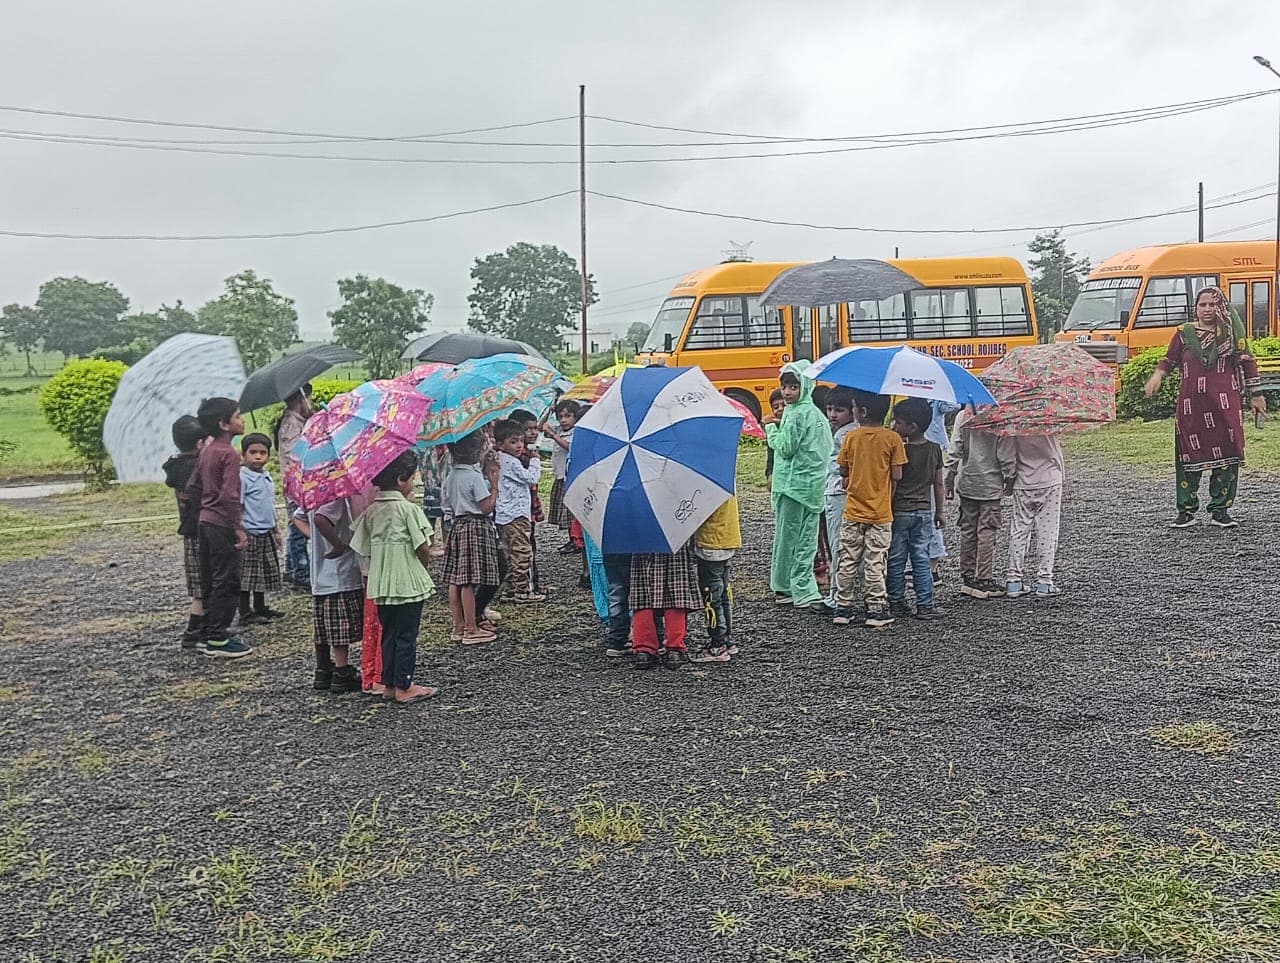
[514, 498]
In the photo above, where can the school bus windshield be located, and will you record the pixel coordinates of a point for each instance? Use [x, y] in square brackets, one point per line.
[1101, 303]
[670, 321]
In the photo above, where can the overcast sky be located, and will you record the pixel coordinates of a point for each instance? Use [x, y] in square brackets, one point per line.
[809, 69]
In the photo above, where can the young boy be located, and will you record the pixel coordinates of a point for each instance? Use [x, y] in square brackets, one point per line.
[801, 442]
[217, 482]
[531, 433]
[980, 469]
[187, 436]
[260, 564]
[842, 420]
[914, 515]
[871, 460]
[1037, 509]
[714, 545]
[777, 407]
[514, 510]
[337, 597]
[567, 414]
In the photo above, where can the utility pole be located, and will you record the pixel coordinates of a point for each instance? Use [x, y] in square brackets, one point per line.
[582, 204]
[1275, 273]
[1200, 217]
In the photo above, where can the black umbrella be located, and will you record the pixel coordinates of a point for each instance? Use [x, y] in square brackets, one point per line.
[278, 380]
[455, 347]
[837, 281]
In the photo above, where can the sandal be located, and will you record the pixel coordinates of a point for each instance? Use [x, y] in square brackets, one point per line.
[478, 637]
[423, 696]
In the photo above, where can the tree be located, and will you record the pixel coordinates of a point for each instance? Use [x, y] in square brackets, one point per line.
[23, 328]
[80, 316]
[529, 292]
[1056, 275]
[637, 331]
[251, 311]
[377, 318]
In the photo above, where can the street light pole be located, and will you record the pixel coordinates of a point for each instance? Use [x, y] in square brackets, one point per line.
[1275, 274]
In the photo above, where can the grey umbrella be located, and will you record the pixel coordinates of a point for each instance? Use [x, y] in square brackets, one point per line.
[455, 347]
[278, 380]
[837, 281]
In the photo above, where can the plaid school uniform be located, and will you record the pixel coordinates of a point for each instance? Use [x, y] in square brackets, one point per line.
[666, 581]
[471, 553]
[559, 515]
[339, 617]
[260, 565]
[191, 565]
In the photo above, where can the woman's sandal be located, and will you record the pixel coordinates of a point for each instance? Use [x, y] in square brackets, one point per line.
[478, 638]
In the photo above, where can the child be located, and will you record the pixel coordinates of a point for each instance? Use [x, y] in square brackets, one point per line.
[777, 406]
[801, 442]
[260, 563]
[297, 409]
[715, 543]
[937, 434]
[980, 469]
[216, 482]
[840, 416]
[514, 510]
[531, 433]
[663, 586]
[567, 413]
[871, 460]
[432, 504]
[471, 549]
[914, 515]
[393, 534]
[1037, 508]
[188, 436]
[337, 598]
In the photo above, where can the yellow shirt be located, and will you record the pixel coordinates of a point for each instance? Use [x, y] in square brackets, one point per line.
[870, 453]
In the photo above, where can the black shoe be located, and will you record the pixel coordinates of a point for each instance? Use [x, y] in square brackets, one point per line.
[346, 679]
[1184, 520]
[928, 613]
[822, 609]
[251, 618]
[878, 618]
[675, 658]
[192, 638]
[324, 680]
[900, 609]
[1220, 519]
[617, 651]
[270, 614]
[644, 660]
[842, 617]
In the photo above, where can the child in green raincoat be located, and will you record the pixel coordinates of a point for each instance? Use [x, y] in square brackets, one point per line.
[801, 444]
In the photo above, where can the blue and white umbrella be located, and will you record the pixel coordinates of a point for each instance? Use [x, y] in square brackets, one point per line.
[652, 460]
[900, 371]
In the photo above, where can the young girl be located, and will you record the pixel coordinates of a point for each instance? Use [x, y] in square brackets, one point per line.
[471, 549]
[393, 535]
[567, 414]
[666, 587]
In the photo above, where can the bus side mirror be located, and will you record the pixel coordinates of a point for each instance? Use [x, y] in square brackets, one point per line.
[1124, 319]
[666, 343]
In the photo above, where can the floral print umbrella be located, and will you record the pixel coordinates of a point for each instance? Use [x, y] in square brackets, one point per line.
[1047, 389]
[482, 390]
[345, 446]
[591, 389]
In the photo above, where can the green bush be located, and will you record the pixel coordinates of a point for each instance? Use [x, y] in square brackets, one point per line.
[324, 390]
[1131, 402]
[1266, 347]
[75, 401]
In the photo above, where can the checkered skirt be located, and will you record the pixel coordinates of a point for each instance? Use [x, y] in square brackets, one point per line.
[666, 581]
[260, 565]
[339, 617]
[191, 566]
[558, 515]
[471, 552]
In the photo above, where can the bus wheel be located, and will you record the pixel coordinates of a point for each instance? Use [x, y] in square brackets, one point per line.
[746, 398]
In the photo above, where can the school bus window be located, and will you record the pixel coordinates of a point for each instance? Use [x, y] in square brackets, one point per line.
[1167, 301]
[1102, 303]
[884, 320]
[941, 313]
[670, 321]
[1001, 311]
[724, 322]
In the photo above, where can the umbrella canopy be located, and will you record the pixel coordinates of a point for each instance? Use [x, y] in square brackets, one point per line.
[482, 390]
[278, 380]
[837, 281]
[343, 447]
[455, 347]
[421, 373]
[168, 383]
[1047, 389]
[652, 460]
[900, 371]
[591, 389]
[751, 427]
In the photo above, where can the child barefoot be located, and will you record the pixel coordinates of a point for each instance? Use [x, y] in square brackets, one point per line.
[471, 549]
[393, 534]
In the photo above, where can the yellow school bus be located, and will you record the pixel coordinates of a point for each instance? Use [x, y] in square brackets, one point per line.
[969, 310]
[1136, 300]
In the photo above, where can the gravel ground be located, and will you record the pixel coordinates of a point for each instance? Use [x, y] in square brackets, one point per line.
[1092, 776]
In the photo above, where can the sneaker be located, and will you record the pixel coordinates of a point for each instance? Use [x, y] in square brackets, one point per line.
[712, 653]
[675, 658]
[1184, 520]
[1015, 590]
[928, 613]
[780, 599]
[1047, 590]
[823, 609]
[1220, 519]
[323, 679]
[994, 589]
[532, 598]
[878, 618]
[192, 638]
[492, 615]
[346, 679]
[644, 660]
[900, 609]
[228, 648]
[974, 589]
[615, 651]
[842, 617]
[269, 613]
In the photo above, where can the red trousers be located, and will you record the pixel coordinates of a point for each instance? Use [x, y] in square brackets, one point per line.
[575, 533]
[644, 629]
[371, 647]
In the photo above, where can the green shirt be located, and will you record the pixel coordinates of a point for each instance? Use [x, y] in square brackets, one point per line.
[389, 533]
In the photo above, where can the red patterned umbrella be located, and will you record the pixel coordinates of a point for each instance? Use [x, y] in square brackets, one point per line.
[750, 424]
[1047, 389]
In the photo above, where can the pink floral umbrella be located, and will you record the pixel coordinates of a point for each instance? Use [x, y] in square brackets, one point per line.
[345, 446]
[750, 424]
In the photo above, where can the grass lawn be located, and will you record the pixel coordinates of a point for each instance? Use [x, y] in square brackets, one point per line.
[1149, 445]
[40, 451]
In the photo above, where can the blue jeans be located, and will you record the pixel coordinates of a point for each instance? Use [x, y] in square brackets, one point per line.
[912, 533]
[297, 564]
[617, 570]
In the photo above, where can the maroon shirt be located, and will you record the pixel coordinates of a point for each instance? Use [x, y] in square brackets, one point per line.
[217, 479]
